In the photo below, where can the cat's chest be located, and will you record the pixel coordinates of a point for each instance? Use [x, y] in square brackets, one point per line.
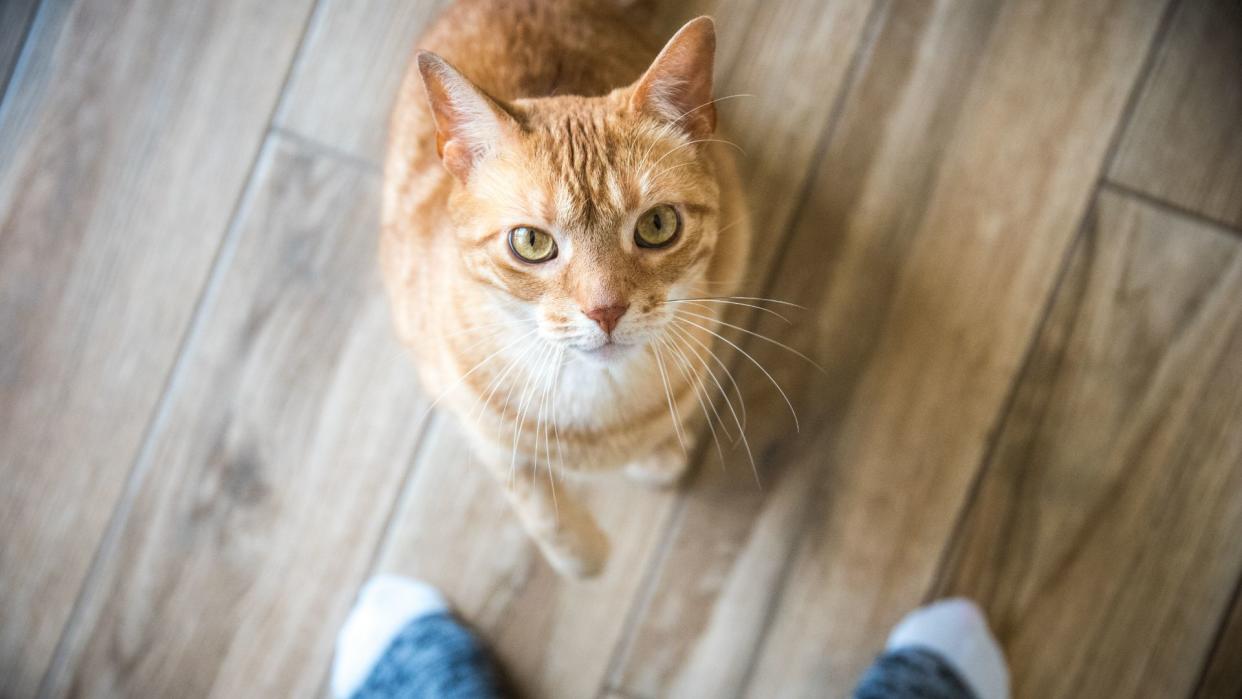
[591, 396]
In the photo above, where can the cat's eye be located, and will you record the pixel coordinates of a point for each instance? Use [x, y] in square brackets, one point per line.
[657, 227]
[532, 244]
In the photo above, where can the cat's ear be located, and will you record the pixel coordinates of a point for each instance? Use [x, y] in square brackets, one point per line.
[678, 85]
[469, 124]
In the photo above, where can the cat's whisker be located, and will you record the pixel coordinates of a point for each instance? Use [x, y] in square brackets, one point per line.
[473, 369]
[644, 167]
[524, 382]
[686, 339]
[703, 304]
[484, 398]
[506, 322]
[523, 406]
[697, 386]
[711, 102]
[476, 344]
[663, 131]
[761, 336]
[540, 424]
[754, 469]
[758, 299]
[789, 403]
[540, 397]
[671, 168]
[668, 394]
[729, 226]
[493, 335]
[741, 421]
[721, 289]
[680, 347]
[687, 144]
[670, 127]
[560, 454]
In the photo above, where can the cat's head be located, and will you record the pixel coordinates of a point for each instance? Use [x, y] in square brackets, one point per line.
[587, 214]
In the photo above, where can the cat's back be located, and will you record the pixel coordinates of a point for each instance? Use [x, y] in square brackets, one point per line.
[534, 48]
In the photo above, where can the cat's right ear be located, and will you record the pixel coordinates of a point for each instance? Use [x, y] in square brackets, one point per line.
[678, 86]
[469, 124]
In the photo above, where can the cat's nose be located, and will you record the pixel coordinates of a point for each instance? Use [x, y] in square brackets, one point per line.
[608, 316]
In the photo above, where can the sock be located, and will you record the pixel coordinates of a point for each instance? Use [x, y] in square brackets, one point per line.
[400, 642]
[941, 650]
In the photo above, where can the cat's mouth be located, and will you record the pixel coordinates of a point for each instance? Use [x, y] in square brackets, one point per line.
[608, 351]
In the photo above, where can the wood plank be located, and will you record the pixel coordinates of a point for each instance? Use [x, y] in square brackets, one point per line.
[343, 88]
[124, 142]
[284, 447]
[928, 245]
[1222, 678]
[1183, 144]
[15, 18]
[473, 549]
[1103, 541]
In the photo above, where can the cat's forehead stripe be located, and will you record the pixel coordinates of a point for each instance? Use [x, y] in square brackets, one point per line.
[565, 208]
[583, 152]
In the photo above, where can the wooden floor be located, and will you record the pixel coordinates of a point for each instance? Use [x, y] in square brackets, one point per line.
[1016, 229]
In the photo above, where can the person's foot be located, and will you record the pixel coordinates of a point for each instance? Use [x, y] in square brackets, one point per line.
[956, 631]
[399, 641]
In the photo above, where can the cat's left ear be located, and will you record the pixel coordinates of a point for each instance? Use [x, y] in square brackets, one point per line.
[678, 85]
[470, 125]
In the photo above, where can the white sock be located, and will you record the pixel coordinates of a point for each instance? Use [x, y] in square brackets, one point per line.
[385, 605]
[956, 630]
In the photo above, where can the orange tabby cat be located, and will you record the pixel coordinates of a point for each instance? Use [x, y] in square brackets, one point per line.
[553, 202]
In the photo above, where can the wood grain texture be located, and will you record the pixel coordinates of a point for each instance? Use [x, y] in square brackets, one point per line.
[927, 246]
[917, 172]
[529, 614]
[284, 447]
[1222, 676]
[355, 56]
[124, 144]
[1103, 541]
[1184, 144]
[15, 18]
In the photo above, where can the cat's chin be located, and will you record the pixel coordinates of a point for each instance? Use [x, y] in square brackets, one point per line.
[609, 353]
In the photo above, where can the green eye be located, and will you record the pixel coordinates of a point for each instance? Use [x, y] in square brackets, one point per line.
[532, 244]
[658, 227]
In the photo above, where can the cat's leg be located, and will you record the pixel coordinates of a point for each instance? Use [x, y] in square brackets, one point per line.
[662, 468]
[564, 530]
[667, 464]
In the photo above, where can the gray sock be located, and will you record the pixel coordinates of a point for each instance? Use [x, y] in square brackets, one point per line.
[401, 642]
[942, 651]
[912, 673]
[432, 657]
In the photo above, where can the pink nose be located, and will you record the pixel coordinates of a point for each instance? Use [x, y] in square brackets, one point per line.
[608, 316]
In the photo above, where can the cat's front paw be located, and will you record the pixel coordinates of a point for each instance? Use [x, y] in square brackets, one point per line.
[662, 468]
[578, 549]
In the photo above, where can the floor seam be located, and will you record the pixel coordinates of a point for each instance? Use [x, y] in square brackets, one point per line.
[1171, 207]
[327, 150]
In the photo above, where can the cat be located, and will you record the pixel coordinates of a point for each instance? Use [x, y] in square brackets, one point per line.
[551, 195]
